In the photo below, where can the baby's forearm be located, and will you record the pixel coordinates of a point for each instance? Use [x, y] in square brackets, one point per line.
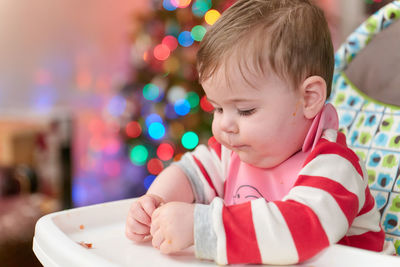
[172, 185]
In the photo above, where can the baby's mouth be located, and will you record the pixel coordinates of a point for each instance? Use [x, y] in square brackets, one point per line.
[234, 145]
[238, 147]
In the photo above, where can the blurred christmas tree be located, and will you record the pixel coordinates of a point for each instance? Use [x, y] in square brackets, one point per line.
[165, 112]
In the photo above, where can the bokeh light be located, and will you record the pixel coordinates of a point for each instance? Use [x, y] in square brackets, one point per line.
[200, 7]
[156, 130]
[161, 52]
[175, 93]
[151, 91]
[133, 129]
[153, 117]
[185, 39]
[116, 106]
[165, 151]
[212, 16]
[181, 3]
[198, 32]
[155, 166]
[169, 5]
[182, 107]
[148, 181]
[205, 105]
[170, 41]
[193, 99]
[138, 155]
[190, 140]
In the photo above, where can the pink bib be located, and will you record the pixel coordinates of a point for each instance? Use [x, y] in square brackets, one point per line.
[245, 182]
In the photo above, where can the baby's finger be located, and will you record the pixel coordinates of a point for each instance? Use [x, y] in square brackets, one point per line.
[137, 227]
[155, 226]
[140, 215]
[134, 237]
[166, 247]
[155, 214]
[149, 207]
[158, 238]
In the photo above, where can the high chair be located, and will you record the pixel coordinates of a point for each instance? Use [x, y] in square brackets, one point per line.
[94, 235]
[366, 94]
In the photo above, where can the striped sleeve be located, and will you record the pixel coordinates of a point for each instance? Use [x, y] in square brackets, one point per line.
[327, 198]
[206, 168]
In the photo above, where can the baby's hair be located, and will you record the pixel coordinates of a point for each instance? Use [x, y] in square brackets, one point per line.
[289, 36]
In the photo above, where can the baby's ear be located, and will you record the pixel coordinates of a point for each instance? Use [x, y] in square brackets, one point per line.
[313, 90]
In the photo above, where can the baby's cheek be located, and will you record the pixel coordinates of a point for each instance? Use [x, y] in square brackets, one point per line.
[215, 129]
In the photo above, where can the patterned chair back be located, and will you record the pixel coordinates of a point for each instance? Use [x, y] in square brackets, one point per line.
[372, 127]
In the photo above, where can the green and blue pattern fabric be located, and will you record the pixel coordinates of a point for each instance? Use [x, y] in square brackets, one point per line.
[372, 128]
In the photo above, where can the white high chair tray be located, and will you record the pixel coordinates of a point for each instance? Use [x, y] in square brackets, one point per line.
[57, 237]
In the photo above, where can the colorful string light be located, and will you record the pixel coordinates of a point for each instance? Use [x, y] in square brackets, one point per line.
[200, 7]
[138, 155]
[182, 107]
[193, 99]
[156, 130]
[153, 117]
[185, 39]
[181, 3]
[170, 41]
[133, 129]
[212, 16]
[175, 93]
[205, 105]
[169, 5]
[155, 166]
[198, 32]
[148, 181]
[161, 52]
[116, 106]
[165, 151]
[151, 91]
[190, 140]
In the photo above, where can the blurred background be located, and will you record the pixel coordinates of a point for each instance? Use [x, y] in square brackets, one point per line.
[98, 96]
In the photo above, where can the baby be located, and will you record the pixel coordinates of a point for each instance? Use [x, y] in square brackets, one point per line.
[277, 182]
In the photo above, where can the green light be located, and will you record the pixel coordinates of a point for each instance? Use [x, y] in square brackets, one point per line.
[151, 91]
[193, 99]
[139, 155]
[190, 140]
[198, 33]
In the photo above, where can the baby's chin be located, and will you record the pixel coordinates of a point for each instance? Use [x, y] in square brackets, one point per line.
[259, 162]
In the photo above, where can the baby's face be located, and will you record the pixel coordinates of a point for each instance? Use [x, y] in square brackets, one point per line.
[264, 125]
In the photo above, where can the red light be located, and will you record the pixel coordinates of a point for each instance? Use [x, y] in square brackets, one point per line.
[171, 42]
[165, 151]
[161, 52]
[133, 129]
[205, 105]
[155, 166]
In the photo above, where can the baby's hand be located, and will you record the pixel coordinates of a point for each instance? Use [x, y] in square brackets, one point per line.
[172, 227]
[139, 217]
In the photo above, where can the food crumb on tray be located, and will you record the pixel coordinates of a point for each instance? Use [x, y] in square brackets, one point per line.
[86, 245]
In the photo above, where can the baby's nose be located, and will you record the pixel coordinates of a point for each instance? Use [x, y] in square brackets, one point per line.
[229, 124]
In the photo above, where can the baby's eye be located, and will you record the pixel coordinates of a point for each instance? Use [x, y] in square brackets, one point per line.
[218, 110]
[246, 112]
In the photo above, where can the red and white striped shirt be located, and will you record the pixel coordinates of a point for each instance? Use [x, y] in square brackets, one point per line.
[329, 203]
